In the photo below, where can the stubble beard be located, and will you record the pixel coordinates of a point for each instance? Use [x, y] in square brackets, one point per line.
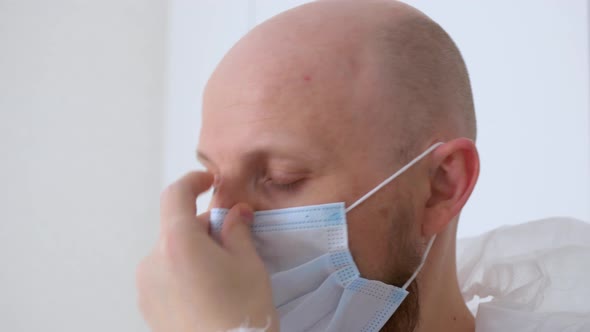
[403, 263]
[407, 315]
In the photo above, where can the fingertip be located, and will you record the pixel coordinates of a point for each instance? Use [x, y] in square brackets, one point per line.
[246, 213]
[235, 232]
[179, 198]
[200, 180]
[204, 219]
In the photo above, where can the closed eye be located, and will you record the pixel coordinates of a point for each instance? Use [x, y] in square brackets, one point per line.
[284, 184]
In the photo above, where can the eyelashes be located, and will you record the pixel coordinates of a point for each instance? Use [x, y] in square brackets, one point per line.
[276, 184]
[287, 187]
[260, 179]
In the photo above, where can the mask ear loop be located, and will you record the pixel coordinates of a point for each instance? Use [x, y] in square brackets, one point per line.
[405, 286]
[386, 182]
[391, 178]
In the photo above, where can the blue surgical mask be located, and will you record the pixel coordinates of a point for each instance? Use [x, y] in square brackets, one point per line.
[315, 282]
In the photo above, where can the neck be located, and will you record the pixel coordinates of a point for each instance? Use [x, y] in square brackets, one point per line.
[441, 304]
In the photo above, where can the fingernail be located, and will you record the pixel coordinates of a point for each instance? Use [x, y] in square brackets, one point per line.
[246, 213]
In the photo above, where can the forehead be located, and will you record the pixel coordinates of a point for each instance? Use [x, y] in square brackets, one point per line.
[272, 128]
[296, 110]
[293, 100]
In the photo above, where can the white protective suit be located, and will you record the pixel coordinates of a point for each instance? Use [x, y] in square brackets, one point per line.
[538, 275]
[528, 277]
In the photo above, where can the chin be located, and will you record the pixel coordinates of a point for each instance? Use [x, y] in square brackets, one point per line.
[407, 316]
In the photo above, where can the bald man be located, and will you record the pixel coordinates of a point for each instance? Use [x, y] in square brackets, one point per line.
[321, 104]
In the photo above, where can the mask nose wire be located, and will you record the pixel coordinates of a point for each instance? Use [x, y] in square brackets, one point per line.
[391, 178]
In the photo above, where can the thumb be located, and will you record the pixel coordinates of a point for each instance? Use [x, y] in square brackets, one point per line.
[236, 234]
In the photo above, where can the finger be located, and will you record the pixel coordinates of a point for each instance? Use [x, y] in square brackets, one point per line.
[204, 219]
[147, 279]
[178, 201]
[236, 233]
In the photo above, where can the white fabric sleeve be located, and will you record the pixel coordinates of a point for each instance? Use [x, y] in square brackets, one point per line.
[248, 329]
[245, 328]
[528, 277]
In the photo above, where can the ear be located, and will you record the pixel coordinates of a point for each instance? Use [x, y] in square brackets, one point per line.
[453, 175]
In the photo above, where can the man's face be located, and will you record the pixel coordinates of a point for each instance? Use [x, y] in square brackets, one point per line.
[311, 136]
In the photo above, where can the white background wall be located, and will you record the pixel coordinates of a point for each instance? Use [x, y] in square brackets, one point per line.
[529, 64]
[81, 87]
[85, 147]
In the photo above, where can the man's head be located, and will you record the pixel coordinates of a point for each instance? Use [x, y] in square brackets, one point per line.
[323, 102]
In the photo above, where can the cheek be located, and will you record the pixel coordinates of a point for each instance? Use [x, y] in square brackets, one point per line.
[380, 237]
[370, 236]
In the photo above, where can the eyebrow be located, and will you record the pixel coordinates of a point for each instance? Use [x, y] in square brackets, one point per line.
[201, 157]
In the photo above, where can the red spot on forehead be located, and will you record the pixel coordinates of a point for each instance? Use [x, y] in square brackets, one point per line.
[307, 78]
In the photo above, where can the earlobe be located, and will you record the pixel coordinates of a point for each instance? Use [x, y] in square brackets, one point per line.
[454, 174]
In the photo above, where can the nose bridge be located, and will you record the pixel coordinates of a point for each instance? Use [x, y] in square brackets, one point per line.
[228, 191]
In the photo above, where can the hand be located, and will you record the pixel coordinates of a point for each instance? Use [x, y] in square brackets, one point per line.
[189, 282]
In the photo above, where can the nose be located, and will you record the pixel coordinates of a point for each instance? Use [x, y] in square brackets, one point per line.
[229, 191]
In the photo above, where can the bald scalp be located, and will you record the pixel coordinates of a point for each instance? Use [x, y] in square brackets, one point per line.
[424, 79]
[384, 66]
